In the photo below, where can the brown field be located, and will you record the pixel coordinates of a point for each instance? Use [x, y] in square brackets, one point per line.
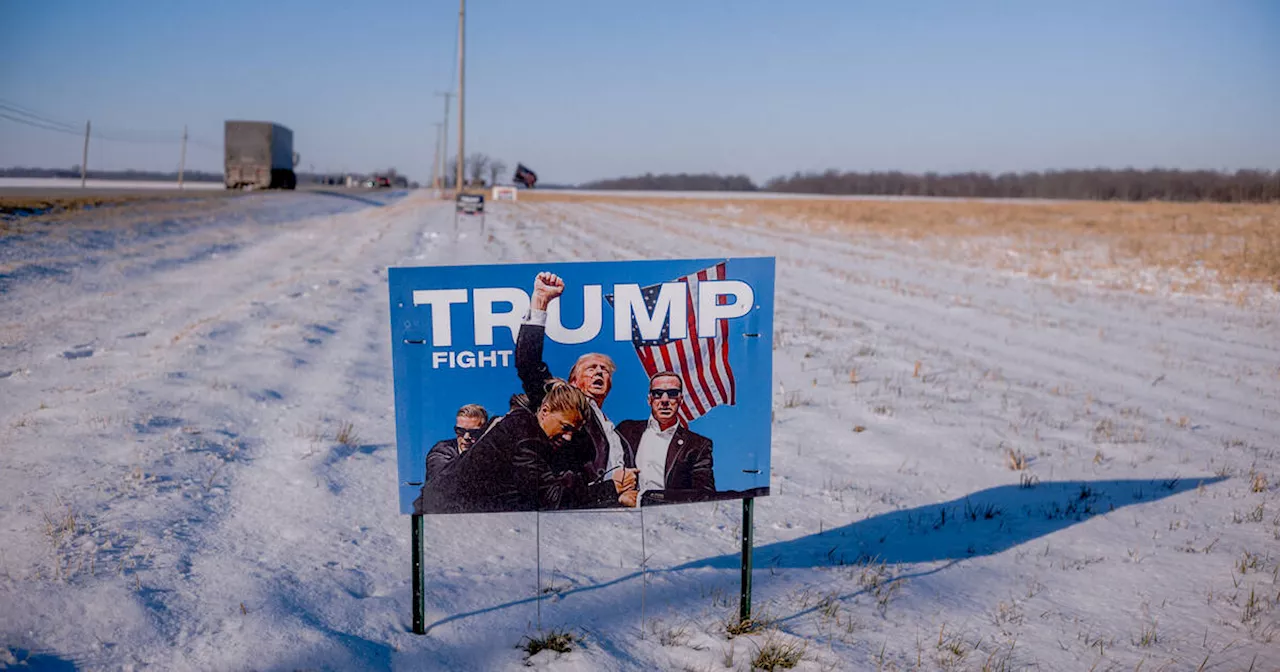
[1197, 248]
[60, 202]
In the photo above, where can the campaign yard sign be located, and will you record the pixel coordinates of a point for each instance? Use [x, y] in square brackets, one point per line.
[470, 204]
[582, 385]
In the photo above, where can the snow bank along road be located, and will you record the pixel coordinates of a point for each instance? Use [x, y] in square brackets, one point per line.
[71, 183]
[971, 468]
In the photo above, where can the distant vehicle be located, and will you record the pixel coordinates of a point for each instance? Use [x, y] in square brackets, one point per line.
[384, 182]
[259, 155]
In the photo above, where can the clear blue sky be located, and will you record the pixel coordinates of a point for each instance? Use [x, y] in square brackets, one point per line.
[587, 89]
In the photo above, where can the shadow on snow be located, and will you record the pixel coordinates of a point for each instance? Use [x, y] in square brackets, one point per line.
[982, 523]
[353, 197]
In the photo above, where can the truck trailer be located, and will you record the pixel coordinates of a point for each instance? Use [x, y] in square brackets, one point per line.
[259, 156]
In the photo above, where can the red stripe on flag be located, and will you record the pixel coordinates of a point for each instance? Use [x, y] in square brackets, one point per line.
[646, 359]
[666, 359]
[714, 353]
[695, 346]
[724, 360]
[690, 389]
[691, 357]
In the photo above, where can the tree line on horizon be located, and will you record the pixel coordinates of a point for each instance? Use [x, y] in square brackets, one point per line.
[1096, 184]
[676, 182]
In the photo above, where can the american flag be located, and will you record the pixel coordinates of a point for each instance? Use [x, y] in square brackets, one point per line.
[703, 363]
[525, 176]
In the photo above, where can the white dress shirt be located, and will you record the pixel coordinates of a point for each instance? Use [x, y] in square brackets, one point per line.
[651, 455]
[615, 443]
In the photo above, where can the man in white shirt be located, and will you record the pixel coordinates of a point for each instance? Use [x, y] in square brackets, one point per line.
[675, 463]
[599, 450]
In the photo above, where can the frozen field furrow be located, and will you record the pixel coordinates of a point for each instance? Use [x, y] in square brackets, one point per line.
[1201, 318]
[1043, 394]
[1013, 339]
[199, 449]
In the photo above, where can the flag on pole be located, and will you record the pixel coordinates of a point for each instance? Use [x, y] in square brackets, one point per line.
[702, 363]
[525, 176]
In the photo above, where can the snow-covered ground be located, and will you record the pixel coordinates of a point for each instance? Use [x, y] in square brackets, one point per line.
[971, 468]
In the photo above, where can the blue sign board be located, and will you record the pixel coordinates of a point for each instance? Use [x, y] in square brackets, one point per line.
[582, 385]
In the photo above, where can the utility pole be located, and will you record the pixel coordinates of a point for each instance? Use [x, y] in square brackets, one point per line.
[84, 160]
[462, 78]
[435, 160]
[182, 162]
[444, 144]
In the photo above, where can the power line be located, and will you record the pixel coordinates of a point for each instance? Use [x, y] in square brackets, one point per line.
[137, 139]
[40, 125]
[38, 118]
[97, 135]
[34, 114]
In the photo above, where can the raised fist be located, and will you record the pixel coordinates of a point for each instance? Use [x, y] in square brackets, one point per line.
[546, 287]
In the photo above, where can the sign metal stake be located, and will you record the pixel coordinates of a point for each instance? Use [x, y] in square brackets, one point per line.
[537, 596]
[419, 595]
[644, 571]
[744, 604]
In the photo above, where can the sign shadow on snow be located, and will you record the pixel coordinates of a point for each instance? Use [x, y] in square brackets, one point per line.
[986, 522]
[982, 523]
[33, 660]
[352, 197]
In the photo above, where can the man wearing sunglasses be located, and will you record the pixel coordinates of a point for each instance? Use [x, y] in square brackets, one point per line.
[674, 463]
[468, 427]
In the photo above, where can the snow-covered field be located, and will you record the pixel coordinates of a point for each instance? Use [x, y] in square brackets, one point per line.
[973, 469]
[774, 195]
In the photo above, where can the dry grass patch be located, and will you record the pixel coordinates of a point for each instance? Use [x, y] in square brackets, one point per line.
[777, 655]
[347, 435]
[1239, 242]
[1197, 244]
[560, 641]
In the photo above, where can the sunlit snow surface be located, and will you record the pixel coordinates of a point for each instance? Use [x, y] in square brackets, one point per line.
[175, 496]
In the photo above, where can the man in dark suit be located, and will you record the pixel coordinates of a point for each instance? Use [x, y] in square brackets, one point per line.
[674, 463]
[518, 464]
[467, 428]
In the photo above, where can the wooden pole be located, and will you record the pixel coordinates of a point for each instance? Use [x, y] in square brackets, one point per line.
[435, 161]
[84, 160]
[182, 162]
[444, 142]
[462, 77]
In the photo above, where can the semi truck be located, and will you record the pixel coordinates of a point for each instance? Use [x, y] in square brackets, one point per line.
[259, 156]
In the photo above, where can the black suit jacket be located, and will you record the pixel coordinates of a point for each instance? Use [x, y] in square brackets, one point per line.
[439, 457]
[690, 474]
[513, 467]
[590, 447]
